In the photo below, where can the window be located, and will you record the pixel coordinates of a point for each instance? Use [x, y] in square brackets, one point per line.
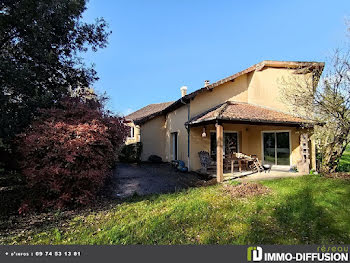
[132, 132]
[231, 144]
[174, 145]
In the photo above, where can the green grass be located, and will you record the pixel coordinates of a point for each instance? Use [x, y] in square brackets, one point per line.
[308, 209]
[344, 164]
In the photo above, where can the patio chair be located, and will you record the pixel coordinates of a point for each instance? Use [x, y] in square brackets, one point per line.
[205, 160]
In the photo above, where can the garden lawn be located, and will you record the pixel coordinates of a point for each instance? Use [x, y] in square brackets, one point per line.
[308, 209]
[344, 164]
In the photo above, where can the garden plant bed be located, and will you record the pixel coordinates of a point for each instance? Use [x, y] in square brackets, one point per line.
[339, 175]
[246, 189]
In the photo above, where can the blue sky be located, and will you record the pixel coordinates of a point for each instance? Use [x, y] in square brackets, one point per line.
[158, 46]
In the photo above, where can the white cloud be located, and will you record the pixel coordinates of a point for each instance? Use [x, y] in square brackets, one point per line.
[127, 111]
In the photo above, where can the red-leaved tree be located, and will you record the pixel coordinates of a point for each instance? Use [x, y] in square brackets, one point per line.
[67, 154]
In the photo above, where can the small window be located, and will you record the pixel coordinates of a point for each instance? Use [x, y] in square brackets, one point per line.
[132, 132]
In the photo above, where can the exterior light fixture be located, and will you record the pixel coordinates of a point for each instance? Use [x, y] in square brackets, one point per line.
[204, 134]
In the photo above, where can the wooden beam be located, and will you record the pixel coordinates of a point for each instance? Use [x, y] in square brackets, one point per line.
[303, 164]
[219, 153]
[313, 153]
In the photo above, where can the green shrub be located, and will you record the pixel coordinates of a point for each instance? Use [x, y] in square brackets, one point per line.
[131, 153]
[343, 167]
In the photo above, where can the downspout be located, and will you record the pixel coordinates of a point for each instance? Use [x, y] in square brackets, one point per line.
[188, 133]
[188, 136]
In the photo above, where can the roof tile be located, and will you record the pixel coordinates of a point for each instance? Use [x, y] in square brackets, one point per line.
[148, 110]
[238, 111]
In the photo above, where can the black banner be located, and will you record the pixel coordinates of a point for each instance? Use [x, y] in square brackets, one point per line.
[315, 253]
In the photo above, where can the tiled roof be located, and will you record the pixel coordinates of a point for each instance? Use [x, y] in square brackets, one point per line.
[246, 113]
[147, 111]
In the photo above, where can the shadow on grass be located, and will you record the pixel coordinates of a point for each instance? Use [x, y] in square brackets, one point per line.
[297, 220]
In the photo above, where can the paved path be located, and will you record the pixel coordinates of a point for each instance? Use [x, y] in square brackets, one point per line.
[274, 174]
[144, 179]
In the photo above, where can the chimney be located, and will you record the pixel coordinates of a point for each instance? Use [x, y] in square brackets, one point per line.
[206, 83]
[183, 91]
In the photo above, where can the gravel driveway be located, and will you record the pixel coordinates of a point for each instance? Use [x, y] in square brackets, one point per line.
[148, 178]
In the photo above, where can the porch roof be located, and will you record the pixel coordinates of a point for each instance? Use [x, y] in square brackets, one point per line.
[238, 112]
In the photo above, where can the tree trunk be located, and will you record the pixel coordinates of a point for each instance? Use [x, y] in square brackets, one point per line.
[333, 152]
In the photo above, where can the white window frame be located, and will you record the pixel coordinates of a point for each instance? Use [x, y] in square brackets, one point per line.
[132, 132]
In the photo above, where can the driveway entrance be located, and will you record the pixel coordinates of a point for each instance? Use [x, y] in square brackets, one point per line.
[144, 179]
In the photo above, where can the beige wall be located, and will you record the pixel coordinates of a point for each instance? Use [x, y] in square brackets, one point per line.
[136, 138]
[250, 141]
[236, 91]
[197, 144]
[175, 122]
[265, 86]
[156, 135]
[153, 138]
[257, 87]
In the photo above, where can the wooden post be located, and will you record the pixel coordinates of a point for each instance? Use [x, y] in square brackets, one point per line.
[219, 153]
[313, 153]
[304, 163]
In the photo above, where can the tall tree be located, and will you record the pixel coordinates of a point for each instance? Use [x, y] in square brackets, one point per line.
[41, 42]
[327, 104]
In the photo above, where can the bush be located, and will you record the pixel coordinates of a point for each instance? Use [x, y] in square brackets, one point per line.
[131, 153]
[68, 152]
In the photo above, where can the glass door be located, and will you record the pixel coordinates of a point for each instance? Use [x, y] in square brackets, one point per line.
[283, 148]
[276, 148]
[269, 148]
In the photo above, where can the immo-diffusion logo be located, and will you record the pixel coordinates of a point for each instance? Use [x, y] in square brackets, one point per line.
[254, 253]
[335, 254]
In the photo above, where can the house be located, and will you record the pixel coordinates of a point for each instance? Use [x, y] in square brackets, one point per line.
[145, 112]
[243, 113]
